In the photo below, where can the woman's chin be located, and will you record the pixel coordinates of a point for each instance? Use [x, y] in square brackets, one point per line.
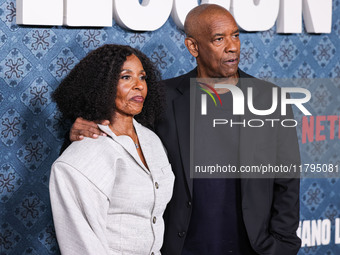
[129, 113]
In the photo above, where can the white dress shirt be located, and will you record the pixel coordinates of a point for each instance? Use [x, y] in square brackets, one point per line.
[105, 201]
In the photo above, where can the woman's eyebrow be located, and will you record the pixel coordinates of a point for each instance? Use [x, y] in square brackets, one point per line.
[130, 71]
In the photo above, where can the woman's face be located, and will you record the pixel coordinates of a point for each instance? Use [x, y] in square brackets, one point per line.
[131, 88]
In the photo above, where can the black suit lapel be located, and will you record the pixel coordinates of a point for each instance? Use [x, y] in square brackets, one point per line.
[182, 116]
[247, 141]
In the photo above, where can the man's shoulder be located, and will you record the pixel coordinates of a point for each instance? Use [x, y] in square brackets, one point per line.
[172, 82]
[255, 81]
[174, 79]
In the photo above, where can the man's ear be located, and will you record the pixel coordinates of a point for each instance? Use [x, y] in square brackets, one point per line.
[192, 46]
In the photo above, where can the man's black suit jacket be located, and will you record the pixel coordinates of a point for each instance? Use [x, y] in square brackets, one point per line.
[270, 207]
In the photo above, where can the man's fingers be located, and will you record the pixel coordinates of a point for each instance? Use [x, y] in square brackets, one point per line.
[83, 128]
[90, 134]
[105, 122]
[95, 131]
[80, 136]
[76, 137]
[84, 124]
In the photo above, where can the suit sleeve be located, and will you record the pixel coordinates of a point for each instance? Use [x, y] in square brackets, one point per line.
[79, 212]
[285, 207]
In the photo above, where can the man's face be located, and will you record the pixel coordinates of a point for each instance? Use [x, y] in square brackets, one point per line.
[218, 46]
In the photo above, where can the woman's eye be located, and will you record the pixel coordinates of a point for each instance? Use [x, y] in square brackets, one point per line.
[219, 39]
[125, 77]
[143, 77]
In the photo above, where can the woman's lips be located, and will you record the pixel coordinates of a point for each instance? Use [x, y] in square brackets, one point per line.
[138, 99]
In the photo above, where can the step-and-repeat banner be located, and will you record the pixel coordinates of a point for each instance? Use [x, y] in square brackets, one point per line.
[35, 59]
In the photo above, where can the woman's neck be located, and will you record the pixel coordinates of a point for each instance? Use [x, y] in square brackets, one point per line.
[122, 125]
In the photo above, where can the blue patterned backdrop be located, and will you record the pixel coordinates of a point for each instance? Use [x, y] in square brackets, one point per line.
[33, 61]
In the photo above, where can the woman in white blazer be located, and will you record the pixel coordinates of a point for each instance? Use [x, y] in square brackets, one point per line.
[108, 194]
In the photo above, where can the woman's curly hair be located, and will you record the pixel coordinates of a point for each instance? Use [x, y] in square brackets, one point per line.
[89, 91]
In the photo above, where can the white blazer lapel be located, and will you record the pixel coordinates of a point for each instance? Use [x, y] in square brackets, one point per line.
[126, 142]
[145, 144]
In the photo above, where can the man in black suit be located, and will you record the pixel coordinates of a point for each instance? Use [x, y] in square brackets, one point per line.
[224, 216]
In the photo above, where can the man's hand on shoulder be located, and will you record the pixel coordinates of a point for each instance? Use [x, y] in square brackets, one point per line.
[84, 128]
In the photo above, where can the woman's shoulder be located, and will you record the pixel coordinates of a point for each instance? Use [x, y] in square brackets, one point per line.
[86, 149]
[92, 158]
[89, 153]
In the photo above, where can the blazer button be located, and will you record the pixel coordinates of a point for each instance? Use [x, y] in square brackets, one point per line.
[154, 220]
[189, 204]
[181, 234]
[156, 185]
